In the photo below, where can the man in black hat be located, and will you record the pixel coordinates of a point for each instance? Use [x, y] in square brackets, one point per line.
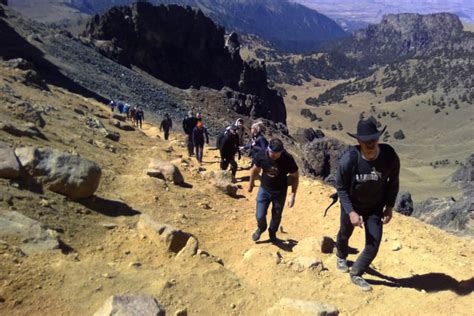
[276, 164]
[367, 183]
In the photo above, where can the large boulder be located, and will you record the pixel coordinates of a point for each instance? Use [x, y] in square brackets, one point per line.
[222, 180]
[59, 172]
[9, 166]
[313, 245]
[288, 306]
[174, 240]
[131, 305]
[33, 235]
[321, 157]
[404, 204]
[307, 135]
[165, 170]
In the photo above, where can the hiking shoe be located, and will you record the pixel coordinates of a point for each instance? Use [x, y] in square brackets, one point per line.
[341, 264]
[256, 235]
[360, 282]
[273, 237]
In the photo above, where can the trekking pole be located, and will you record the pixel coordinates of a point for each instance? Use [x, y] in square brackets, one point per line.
[334, 198]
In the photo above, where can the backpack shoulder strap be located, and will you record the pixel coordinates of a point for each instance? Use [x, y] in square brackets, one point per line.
[354, 161]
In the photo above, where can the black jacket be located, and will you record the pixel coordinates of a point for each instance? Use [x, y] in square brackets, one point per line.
[166, 124]
[229, 146]
[189, 123]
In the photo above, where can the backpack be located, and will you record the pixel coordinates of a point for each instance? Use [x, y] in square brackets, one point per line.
[354, 161]
[220, 139]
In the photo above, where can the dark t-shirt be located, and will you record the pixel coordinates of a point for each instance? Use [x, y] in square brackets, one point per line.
[275, 172]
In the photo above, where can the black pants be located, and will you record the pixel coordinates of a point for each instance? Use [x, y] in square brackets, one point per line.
[190, 145]
[199, 151]
[225, 162]
[139, 121]
[167, 133]
[373, 235]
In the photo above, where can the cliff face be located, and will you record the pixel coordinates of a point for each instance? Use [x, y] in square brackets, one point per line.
[401, 36]
[184, 48]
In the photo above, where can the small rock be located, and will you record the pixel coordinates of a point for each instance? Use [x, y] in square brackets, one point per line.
[109, 225]
[181, 312]
[44, 203]
[305, 263]
[135, 264]
[142, 305]
[396, 246]
[287, 306]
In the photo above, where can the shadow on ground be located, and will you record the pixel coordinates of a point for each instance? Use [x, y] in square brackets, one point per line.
[106, 207]
[429, 282]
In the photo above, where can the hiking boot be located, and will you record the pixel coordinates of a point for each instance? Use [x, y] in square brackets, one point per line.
[273, 237]
[341, 264]
[256, 235]
[360, 282]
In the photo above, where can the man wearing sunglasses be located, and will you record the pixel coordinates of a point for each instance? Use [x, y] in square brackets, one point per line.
[278, 169]
[367, 182]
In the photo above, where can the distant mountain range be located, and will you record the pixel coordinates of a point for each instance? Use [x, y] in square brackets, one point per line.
[372, 11]
[288, 26]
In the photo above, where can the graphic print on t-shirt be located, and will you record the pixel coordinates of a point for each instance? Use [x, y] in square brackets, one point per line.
[272, 172]
[372, 176]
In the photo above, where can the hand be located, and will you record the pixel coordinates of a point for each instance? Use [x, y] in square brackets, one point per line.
[387, 215]
[356, 219]
[250, 188]
[291, 201]
[241, 147]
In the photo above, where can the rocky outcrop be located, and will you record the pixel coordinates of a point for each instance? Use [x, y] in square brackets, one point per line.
[403, 36]
[321, 157]
[173, 239]
[448, 213]
[131, 305]
[307, 135]
[33, 235]
[165, 170]
[59, 172]
[9, 165]
[184, 48]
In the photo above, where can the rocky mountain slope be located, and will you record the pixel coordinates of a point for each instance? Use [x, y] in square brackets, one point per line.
[184, 48]
[86, 250]
[276, 21]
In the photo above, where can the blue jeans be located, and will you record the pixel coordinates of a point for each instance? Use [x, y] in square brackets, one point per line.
[264, 198]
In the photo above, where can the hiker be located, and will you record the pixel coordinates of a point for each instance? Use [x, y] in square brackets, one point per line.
[199, 135]
[120, 107]
[133, 112]
[229, 147]
[139, 117]
[258, 140]
[278, 169]
[166, 125]
[112, 105]
[189, 123]
[367, 183]
[126, 110]
[240, 130]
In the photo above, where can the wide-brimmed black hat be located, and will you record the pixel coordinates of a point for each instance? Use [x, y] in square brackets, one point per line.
[367, 130]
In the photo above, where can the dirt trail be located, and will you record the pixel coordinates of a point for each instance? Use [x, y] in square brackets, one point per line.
[431, 274]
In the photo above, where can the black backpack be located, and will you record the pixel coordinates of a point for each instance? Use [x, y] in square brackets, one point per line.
[354, 159]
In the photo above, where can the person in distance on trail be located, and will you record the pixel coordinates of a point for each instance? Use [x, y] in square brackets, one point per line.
[199, 136]
[189, 123]
[133, 112]
[240, 130]
[139, 117]
[367, 183]
[166, 125]
[278, 169]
